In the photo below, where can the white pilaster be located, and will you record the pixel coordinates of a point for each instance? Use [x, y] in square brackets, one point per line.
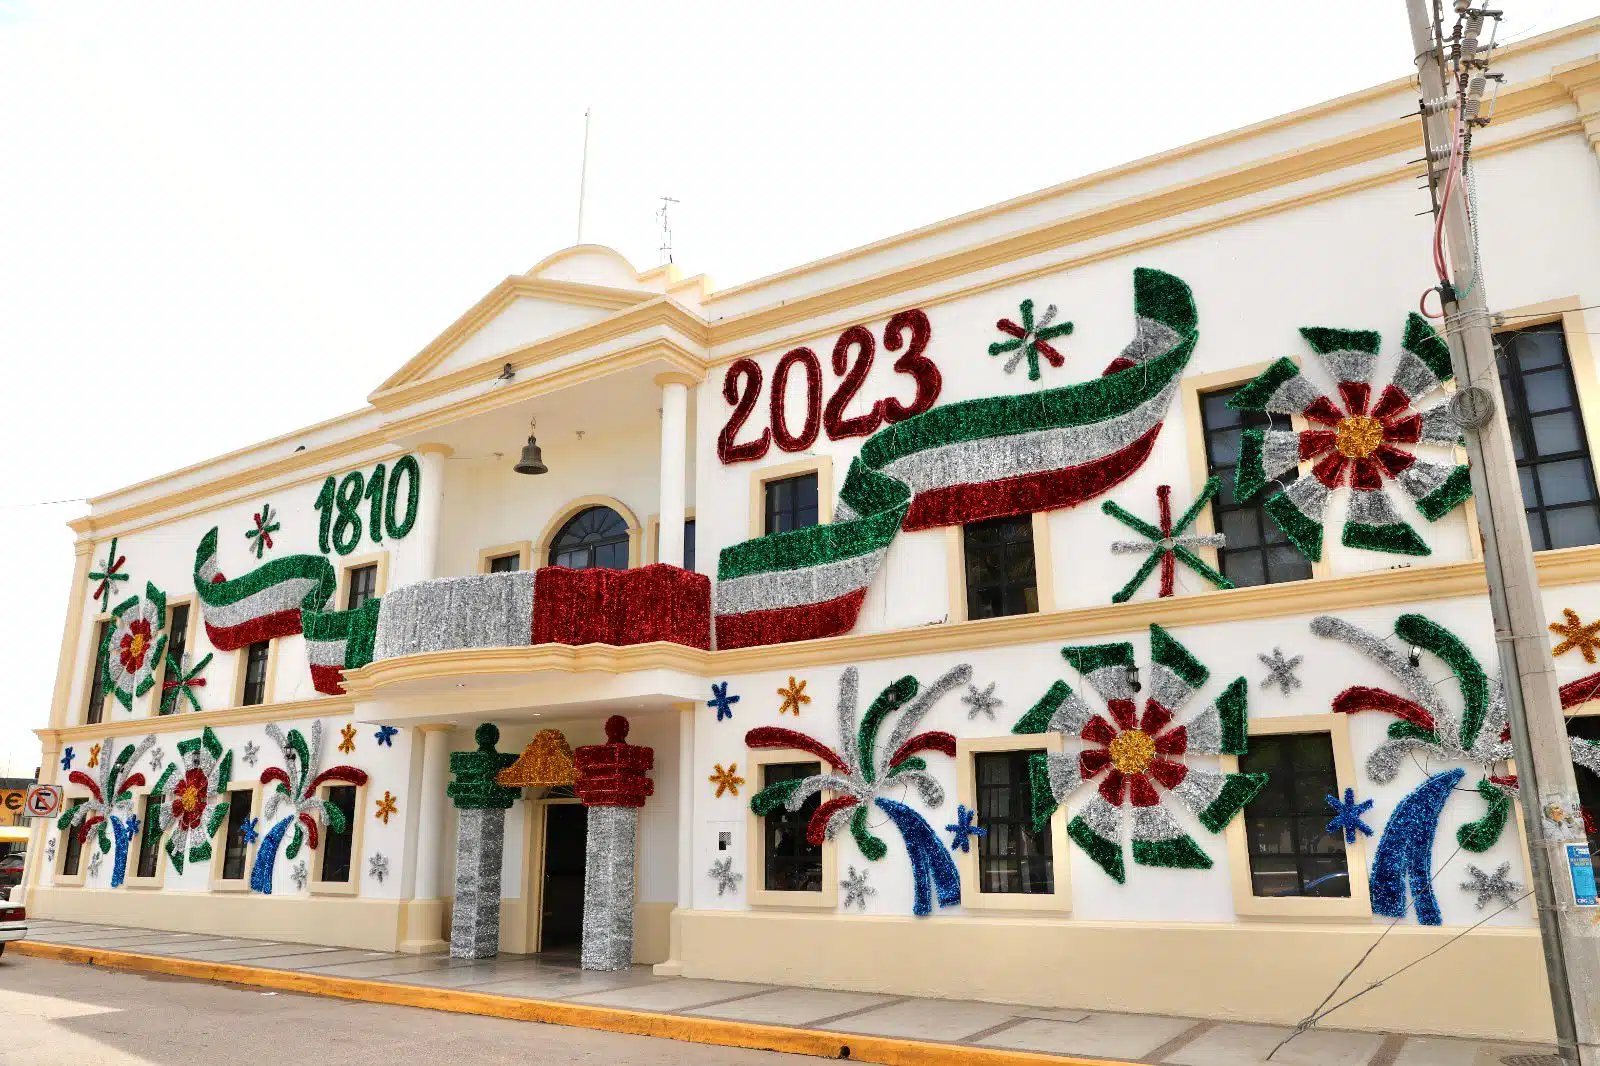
[425, 911]
[432, 457]
[673, 967]
[674, 464]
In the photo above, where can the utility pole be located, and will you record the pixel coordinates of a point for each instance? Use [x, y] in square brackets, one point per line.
[1548, 790]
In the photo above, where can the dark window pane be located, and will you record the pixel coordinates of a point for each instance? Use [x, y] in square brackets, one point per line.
[688, 545]
[792, 864]
[1001, 575]
[234, 847]
[363, 586]
[1555, 470]
[74, 847]
[1012, 858]
[596, 537]
[1246, 559]
[95, 710]
[791, 503]
[255, 673]
[149, 836]
[336, 846]
[178, 632]
[1291, 854]
[505, 564]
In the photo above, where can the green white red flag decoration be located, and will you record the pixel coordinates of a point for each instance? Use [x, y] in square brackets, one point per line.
[134, 645]
[337, 641]
[194, 803]
[1129, 754]
[1354, 440]
[264, 603]
[957, 463]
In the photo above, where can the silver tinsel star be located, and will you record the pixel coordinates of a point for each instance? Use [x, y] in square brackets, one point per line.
[50, 850]
[981, 701]
[856, 889]
[251, 751]
[722, 873]
[299, 874]
[94, 864]
[157, 758]
[1490, 887]
[377, 866]
[1280, 671]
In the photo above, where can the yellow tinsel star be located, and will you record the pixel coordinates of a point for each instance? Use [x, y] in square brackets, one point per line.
[348, 743]
[793, 696]
[726, 780]
[386, 807]
[1575, 634]
[94, 756]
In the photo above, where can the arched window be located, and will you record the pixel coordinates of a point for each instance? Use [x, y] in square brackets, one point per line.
[596, 537]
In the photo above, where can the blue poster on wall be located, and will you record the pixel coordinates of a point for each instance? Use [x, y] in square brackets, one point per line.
[1582, 867]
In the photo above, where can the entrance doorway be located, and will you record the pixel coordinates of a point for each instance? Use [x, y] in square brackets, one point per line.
[566, 832]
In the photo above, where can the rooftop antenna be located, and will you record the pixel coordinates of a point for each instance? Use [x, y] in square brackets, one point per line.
[583, 174]
[666, 229]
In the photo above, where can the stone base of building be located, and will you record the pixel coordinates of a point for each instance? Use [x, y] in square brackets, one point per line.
[1490, 984]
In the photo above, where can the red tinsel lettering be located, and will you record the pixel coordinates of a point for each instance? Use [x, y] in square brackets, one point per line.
[921, 369]
[744, 403]
[833, 419]
[807, 360]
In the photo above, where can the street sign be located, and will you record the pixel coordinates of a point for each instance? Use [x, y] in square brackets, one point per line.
[43, 800]
[1582, 867]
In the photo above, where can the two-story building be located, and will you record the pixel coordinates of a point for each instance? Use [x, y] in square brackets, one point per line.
[1075, 602]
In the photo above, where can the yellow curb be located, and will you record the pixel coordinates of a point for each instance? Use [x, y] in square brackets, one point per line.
[889, 1051]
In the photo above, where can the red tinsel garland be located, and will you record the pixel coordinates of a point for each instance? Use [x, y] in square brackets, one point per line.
[622, 607]
[784, 624]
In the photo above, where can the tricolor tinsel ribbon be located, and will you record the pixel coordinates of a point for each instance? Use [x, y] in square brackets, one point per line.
[994, 457]
[264, 603]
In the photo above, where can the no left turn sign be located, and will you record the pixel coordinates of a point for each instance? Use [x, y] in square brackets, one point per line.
[43, 800]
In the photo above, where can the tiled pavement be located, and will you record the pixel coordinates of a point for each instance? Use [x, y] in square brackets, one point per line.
[1134, 1037]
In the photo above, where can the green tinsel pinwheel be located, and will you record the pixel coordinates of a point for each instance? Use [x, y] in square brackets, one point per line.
[108, 575]
[260, 537]
[182, 682]
[1031, 339]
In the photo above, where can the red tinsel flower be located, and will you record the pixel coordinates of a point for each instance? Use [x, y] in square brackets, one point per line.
[189, 799]
[135, 645]
[1131, 753]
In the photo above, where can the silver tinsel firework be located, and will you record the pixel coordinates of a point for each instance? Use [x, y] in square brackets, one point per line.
[981, 701]
[722, 873]
[378, 866]
[608, 888]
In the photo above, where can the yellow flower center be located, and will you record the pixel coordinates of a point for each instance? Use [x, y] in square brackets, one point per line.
[1358, 436]
[189, 799]
[135, 645]
[1133, 751]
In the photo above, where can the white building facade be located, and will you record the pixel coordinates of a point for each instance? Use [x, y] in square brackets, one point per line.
[785, 498]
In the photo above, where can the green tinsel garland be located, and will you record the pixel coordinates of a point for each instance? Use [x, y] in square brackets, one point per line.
[1037, 720]
[1482, 835]
[1106, 855]
[1457, 488]
[1182, 853]
[475, 787]
[1426, 633]
[1302, 532]
[1396, 539]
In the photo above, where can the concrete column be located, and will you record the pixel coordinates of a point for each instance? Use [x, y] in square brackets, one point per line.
[674, 464]
[432, 457]
[673, 966]
[424, 930]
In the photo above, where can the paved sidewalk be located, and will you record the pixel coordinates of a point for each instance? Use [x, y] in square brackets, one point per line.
[1151, 1039]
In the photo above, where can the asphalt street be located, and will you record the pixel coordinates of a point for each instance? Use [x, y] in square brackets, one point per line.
[56, 1012]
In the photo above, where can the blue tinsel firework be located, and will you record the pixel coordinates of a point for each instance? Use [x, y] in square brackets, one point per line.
[122, 830]
[267, 856]
[932, 869]
[1405, 852]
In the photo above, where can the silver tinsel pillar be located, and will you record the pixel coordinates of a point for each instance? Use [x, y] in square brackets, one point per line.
[608, 888]
[475, 915]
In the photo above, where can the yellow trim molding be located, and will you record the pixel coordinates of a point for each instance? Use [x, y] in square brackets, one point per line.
[821, 465]
[1059, 900]
[522, 549]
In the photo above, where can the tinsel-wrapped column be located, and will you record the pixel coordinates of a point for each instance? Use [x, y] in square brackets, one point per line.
[613, 785]
[480, 836]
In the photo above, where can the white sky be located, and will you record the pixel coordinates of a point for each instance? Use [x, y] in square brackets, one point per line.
[220, 222]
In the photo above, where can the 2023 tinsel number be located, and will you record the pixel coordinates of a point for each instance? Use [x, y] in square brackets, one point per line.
[110, 803]
[193, 806]
[296, 786]
[1130, 753]
[338, 505]
[134, 645]
[963, 462]
[860, 772]
[1354, 440]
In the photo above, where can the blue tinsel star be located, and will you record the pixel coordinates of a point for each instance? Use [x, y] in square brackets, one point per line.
[1347, 815]
[965, 828]
[385, 735]
[721, 700]
[66, 758]
[247, 830]
[133, 826]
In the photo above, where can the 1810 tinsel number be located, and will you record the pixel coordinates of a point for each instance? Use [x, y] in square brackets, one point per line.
[338, 506]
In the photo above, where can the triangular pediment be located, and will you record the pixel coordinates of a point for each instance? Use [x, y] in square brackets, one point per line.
[570, 289]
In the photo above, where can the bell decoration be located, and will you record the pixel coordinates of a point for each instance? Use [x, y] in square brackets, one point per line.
[532, 461]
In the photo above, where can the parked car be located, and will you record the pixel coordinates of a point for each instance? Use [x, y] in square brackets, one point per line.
[13, 925]
[11, 872]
